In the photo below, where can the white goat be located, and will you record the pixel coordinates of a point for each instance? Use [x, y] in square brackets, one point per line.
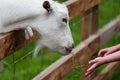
[48, 18]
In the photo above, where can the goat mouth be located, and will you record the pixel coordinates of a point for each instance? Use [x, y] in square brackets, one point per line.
[66, 53]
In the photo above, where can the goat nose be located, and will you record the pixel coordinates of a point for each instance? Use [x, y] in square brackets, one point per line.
[69, 49]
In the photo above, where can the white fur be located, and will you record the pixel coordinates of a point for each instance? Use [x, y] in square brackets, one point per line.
[54, 33]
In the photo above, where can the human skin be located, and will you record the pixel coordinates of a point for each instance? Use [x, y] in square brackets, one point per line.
[106, 55]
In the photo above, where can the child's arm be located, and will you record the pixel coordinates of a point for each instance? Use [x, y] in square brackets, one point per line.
[102, 60]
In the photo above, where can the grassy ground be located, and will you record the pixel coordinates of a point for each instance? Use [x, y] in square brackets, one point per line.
[20, 66]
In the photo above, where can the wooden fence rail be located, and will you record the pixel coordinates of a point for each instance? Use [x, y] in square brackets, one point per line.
[77, 7]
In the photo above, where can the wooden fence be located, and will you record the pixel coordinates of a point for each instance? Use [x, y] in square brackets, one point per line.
[13, 41]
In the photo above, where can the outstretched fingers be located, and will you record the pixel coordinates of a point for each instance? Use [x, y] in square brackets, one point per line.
[94, 64]
[91, 69]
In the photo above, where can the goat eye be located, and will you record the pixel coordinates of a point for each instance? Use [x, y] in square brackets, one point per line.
[64, 20]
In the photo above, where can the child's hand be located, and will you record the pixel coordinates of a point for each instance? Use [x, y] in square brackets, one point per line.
[104, 56]
[107, 51]
[94, 64]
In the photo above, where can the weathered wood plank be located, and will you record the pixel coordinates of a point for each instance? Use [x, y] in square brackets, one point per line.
[13, 41]
[82, 52]
[89, 22]
[76, 7]
[89, 27]
[113, 28]
[107, 73]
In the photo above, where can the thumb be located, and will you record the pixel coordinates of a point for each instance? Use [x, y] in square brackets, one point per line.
[109, 52]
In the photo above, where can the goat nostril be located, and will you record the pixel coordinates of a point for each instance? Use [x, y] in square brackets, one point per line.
[68, 49]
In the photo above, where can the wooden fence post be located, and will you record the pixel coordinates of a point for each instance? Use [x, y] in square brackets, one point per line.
[89, 27]
[89, 22]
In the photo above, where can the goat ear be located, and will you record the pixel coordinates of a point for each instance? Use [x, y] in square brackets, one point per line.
[47, 6]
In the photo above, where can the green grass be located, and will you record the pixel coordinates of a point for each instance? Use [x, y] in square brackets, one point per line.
[25, 68]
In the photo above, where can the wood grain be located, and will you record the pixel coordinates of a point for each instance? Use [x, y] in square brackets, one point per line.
[77, 7]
